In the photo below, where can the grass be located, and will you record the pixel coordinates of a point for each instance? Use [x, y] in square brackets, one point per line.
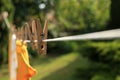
[57, 68]
[4, 73]
[63, 68]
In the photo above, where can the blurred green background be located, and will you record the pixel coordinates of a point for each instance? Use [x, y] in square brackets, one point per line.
[69, 60]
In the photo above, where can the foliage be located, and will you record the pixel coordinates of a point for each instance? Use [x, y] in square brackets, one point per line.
[106, 52]
[62, 47]
[32, 52]
[80, 16]
[96, 71]
[24, 10]
[104, 57]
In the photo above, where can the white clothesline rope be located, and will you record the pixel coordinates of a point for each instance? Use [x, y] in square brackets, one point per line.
[108, 34]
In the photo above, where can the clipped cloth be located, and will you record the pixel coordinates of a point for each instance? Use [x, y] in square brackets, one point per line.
[24, 71]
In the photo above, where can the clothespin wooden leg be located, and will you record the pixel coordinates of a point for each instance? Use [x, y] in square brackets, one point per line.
[39, 32]
[42, 46]
[45, 32]
[34, 34]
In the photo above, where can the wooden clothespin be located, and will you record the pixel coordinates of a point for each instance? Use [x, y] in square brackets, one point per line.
[41, 35]
[19, 33]
[33, 31]
[28, 32]
[23, 33]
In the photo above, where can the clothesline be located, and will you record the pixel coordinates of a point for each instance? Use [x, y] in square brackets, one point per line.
[108, 34]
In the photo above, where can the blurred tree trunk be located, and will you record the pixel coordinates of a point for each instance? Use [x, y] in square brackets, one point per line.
[115, 14]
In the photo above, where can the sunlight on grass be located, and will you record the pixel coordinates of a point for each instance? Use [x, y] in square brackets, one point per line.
[45, 70]
[4, 73]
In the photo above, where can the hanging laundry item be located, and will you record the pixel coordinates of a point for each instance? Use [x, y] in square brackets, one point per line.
[24, 70]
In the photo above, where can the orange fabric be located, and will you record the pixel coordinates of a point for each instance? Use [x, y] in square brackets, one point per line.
[24, 71]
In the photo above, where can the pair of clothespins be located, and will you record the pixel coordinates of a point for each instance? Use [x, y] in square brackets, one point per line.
[32, 31]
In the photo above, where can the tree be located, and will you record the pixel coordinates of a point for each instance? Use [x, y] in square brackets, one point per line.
[114, 14]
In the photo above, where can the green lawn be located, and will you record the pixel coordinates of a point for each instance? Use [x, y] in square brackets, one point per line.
[61, 68]
[4, 73]
[54, 68]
